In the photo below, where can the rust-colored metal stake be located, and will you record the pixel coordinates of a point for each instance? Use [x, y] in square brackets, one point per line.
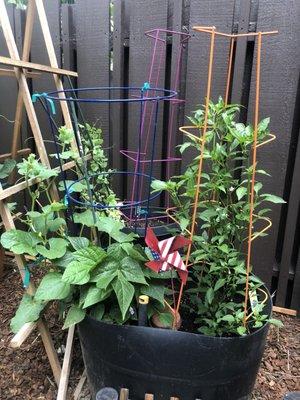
[200, 165]
[252, 192]
[229, 70]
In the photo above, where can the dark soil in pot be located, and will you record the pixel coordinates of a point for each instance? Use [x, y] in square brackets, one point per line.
[171, 363]
[162, 230]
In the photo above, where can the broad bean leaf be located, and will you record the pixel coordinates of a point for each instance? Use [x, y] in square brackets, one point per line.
[52, 287]
[157, 292]
[133, 251]
[57, 248]
[65, 260]
[132, 271]
[105, 278]
[74, 316]
[113, 228]
[116, 251]
[95, 295]
[124, 291]
[20, 242]
[84, 218]
[29, 311]
[85, 260]
[78, 242]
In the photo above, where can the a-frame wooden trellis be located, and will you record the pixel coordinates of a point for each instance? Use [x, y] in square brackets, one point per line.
[21, 65]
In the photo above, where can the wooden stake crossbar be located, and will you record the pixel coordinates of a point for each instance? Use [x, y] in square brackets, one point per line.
[22, 152]
[36, 67]
[6, 193]
[11, 73]
[23, 69]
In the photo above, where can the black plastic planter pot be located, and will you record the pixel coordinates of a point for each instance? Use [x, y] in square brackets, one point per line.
[171, 363]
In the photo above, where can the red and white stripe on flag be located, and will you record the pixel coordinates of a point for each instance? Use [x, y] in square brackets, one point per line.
[170, 258]
[165, 246]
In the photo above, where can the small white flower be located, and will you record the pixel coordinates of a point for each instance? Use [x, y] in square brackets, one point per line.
[231, 189]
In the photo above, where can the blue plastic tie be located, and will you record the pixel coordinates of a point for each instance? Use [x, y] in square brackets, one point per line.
[35, 96]
[66, 196]
[66, 200]
[146, 86]
[26, 279]
[141, 211]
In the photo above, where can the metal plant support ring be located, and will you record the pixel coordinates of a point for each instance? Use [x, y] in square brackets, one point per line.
[142, 174]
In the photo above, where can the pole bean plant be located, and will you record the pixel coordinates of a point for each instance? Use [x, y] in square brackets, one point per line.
[99, 271]
[216, 286]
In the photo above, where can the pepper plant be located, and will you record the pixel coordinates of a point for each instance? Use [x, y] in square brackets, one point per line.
[218, 275]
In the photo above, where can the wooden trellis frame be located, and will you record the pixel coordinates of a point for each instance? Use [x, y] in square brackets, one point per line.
[20, 71]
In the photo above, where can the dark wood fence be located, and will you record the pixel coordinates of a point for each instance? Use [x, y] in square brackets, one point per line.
[118, 54]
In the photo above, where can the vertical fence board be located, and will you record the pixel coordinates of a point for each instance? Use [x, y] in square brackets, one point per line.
[8, 102]
[68, 40]
[295, 302]
[207, 13]
[93, 48]
[291, 243]
[19, 19]
[45, 83]
[145, 16]
[177, 13]
[117, 123]
[279, 74]
[240, 52]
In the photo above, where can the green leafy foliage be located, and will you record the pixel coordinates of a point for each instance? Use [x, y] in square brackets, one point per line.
[6, 168]
[217, 279]
[52, 287]
[113, 228]
[80, 273]
[85, 260]
[155, 291]
[28, 311]
[21, 4]
[124, 291]
[32, 168]
[74, 316]
[20, 242]
[55, 248]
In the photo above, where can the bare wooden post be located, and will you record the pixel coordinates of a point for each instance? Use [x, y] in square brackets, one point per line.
[65, 372]
[2, 257]
[80, 386]
[124, 393]
[149, 396]
[25, 57]
[20, 337]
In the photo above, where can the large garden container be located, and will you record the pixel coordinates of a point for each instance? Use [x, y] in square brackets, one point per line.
[171, 363]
